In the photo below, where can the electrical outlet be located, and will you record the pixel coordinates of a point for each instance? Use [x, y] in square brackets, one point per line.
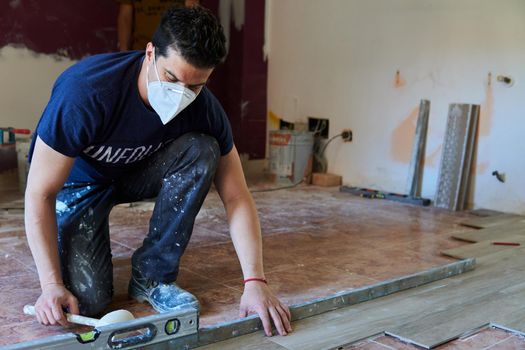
[318, 126]
[347, 135]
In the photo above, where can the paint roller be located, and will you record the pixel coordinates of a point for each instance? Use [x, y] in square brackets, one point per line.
[109, 318]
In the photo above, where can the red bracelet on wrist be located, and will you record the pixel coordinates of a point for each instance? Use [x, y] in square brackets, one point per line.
[255, 279]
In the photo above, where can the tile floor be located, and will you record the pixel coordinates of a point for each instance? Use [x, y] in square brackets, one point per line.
[317, 241]
[486, 339]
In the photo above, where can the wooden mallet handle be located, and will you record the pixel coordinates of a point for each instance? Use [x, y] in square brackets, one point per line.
[78, 319]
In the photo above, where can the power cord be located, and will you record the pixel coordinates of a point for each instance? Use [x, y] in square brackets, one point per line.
[278, 188]
[319, 156]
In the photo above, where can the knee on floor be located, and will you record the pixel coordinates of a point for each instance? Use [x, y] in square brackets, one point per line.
[205, 145]
[93, 303]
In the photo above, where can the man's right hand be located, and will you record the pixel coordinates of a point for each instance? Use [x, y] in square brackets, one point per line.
[49, 305]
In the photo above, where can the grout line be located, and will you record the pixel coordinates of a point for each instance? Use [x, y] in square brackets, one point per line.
[29, 268]
[499, 342]
[386, 346]
[213, 244]
[122, 244]
[210, 279]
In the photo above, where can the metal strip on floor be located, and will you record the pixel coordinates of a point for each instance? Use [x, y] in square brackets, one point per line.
[179, 330]
[252, 324]
[456, 159]
[138, 333]
[415, 171]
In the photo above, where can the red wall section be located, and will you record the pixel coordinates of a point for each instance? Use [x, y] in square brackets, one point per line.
[240, 83]
[67, 28]
[78, 28]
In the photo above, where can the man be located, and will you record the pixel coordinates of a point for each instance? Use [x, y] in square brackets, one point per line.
[126, 126]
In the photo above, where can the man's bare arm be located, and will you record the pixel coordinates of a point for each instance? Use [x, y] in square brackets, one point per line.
[246, 236]
[47, 174]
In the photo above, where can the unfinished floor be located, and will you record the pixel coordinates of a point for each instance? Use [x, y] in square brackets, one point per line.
[316, 242]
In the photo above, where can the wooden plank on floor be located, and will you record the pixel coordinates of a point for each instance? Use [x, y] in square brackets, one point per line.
[334, 302]
[490, 221]
[484, 247]
[494, 232]
[343, 326]
[361, 321]
[495, 274]
[515, 325]
[13, 204]
[121, 261]
[485, 212]
[254, 341]
[495, 296]
[451, 322]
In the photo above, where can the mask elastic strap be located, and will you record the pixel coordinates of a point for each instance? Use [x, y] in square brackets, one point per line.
[155, 65]
[147, 77]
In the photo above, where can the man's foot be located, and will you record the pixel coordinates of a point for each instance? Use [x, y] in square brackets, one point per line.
[164, 297]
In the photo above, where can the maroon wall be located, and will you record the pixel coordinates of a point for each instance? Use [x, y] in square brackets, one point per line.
[68, 28]
[81, 27]
[241, 82]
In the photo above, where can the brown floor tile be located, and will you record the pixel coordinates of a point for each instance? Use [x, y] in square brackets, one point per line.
[137, 309]
[10, 232]
[121, 276]
[394, 343]
[432, 246]
[204, 235]
[11, 229]
[128, 216]
[308, 282]
[480, 340]
[384, 262]
[365, 345]
[218, 304]
[488, 338]
[120, 251]
[512, 343]
[18, 249]
[11, 200]
[27, 330]
[128, 235]
[16, 292]
[218, 262]
[327, 243]
[132, 236]
[192, 281]
[10, 266]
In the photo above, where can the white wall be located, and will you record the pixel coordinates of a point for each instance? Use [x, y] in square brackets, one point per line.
[25, 85]
[338, 59]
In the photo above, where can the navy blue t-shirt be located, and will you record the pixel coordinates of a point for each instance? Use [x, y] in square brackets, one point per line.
[96, 115]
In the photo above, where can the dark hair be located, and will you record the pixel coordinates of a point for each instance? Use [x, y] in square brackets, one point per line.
[194, 33]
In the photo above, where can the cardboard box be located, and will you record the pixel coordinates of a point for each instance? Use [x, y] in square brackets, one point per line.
[326, 180]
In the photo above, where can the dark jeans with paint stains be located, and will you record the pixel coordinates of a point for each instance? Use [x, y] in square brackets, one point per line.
[179, 175]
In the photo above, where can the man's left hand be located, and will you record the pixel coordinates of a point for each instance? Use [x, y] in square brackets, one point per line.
[257, 297]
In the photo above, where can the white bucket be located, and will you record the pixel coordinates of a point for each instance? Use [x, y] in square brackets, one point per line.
[291, 155]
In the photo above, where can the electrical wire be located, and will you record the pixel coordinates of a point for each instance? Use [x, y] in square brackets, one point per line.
[319, 156]
[318, 130]
[278, 188]
[327, 142]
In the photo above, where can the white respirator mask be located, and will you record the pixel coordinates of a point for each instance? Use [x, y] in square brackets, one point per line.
[166, 98]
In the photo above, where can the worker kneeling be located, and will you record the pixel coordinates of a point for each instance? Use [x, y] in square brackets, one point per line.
[128, 126]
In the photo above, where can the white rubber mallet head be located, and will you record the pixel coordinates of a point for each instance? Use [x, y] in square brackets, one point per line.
[110, 318]
[114, 317]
